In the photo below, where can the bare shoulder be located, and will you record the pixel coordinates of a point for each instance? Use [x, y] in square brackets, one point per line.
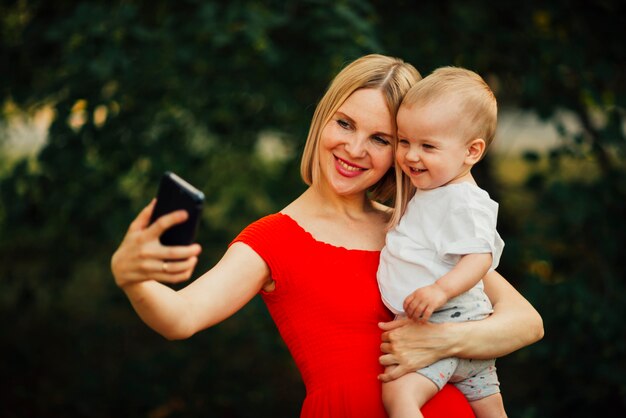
[294, 207]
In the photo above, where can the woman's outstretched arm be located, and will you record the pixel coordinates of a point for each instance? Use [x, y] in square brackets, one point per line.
[514, 324]
[140, 267]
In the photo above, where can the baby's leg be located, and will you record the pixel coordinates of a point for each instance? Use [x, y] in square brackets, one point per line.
[405, 396]
[489, 407]
[481, 387]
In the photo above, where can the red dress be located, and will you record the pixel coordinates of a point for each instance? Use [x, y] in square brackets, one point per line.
[326, 306]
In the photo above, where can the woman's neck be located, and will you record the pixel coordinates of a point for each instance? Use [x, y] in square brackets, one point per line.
[352, 206]
[344, 221]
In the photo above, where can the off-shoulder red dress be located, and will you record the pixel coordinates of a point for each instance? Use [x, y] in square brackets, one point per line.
[326, 306]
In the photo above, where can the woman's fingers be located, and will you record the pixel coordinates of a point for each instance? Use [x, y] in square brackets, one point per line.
[142, 220]
[387, 360]
[395, 373]
[391, 325]
[141, 256]
[175, 267]
[165, 252]
[165, 222]
[392, 373]
[174, 271]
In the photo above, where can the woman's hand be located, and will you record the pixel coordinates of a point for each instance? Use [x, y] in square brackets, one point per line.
[141, 263]
[409, 346]
[141, 256]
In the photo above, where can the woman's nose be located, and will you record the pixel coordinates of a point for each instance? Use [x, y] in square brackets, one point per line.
[356, 147]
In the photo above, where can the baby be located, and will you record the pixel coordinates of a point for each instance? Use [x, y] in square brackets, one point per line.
[446, 239]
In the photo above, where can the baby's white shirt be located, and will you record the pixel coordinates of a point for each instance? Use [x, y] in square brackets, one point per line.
[438, 227]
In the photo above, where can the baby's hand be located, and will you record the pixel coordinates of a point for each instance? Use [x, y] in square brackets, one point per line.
[421, 304]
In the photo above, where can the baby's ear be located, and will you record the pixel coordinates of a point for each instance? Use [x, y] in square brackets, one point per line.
[475, 150]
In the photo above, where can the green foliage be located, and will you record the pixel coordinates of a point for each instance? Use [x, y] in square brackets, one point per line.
[192, 86]
[568, 246]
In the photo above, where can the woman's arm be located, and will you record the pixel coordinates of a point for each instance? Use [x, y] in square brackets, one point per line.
[140, 270]
[514, 324]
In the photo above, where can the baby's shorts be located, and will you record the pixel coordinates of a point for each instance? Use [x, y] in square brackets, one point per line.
[476, 379]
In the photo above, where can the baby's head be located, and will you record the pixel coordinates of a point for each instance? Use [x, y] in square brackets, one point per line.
[445, 124]
[464, 96]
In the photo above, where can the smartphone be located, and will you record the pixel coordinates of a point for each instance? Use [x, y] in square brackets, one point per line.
[173, 194]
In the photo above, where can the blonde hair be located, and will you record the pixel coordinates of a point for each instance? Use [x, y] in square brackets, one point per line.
[393, 77]
[477, 105]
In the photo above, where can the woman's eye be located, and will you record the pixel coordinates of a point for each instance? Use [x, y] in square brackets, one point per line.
[343, 124]
[380, 140]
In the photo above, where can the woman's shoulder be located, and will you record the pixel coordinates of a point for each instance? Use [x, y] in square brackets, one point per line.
[266, 228]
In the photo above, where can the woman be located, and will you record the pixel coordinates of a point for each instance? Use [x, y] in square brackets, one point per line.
[315, 264]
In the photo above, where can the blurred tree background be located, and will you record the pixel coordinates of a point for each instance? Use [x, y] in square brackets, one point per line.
[222, 93]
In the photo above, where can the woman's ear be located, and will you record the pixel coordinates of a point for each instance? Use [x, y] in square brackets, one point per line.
[475, 151]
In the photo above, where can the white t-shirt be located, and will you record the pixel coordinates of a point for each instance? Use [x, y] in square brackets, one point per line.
[439, 226]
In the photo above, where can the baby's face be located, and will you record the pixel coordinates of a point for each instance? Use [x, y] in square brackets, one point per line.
[432, 149]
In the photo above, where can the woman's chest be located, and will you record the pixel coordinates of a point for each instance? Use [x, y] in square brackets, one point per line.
[337, 282]
[361, 236]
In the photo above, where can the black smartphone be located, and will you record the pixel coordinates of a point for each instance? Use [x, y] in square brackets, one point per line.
[173, 194]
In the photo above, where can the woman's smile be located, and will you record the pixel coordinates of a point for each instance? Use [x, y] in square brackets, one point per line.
[348, 169]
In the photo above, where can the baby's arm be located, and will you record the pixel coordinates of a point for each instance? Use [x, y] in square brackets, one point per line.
[470, 269]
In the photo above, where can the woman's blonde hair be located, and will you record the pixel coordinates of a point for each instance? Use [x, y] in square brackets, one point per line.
[393, 77]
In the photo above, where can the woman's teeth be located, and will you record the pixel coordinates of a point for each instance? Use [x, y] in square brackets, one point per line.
[348, 167]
